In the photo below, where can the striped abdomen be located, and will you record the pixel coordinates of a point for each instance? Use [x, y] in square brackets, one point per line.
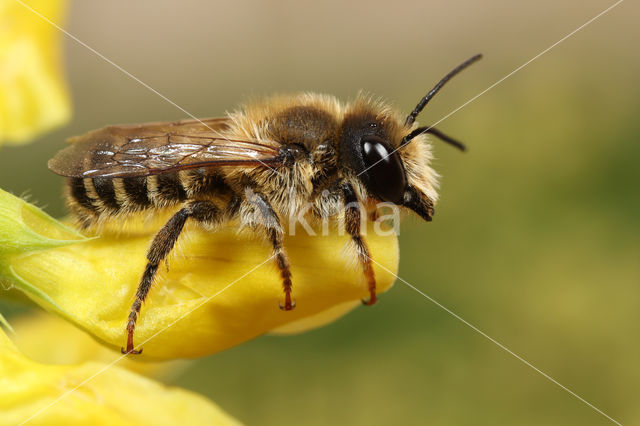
[93, 198]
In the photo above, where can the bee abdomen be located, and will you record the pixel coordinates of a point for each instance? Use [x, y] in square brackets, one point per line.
[102, 196]
[84, 200]
[78, 194]
[91, 199]
[106, 194]
[134, 191]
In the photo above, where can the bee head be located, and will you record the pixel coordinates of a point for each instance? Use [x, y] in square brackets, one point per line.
[376, 145]
[371, 149]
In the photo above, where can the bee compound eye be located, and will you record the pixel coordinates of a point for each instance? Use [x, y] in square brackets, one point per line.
[384, 170]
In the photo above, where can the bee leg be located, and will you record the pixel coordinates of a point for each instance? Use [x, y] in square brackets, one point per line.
[353, 218]
[282, 260]
[163, 242]
[263, 216]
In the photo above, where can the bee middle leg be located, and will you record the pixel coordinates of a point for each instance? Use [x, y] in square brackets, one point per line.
[353, 218]
[201, 211]
[262, 218]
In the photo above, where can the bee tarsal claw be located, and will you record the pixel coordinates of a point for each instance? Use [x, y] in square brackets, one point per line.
[288, 306]
[131, 351]
[371, 301]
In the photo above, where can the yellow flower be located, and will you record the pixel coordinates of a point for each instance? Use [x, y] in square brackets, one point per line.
[33, 94]
[222, 288]
[49, 339]
[113, 397]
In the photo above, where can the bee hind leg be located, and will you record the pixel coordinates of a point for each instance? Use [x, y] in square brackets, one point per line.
[163, 242]
[353, 219]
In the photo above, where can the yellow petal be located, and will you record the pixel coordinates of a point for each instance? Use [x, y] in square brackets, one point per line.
[33, 93]
[113, 397]
[49, 339]
[222, 288]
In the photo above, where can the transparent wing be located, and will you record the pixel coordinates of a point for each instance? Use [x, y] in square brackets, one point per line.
[155, 148]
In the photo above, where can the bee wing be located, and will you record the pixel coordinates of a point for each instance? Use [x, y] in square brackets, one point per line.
[155, 148]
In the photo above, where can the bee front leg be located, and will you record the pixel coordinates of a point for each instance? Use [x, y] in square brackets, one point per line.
[163, 242]
[353, 218]
[259, 214]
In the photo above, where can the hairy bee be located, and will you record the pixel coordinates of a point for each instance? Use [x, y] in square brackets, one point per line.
[262, 164]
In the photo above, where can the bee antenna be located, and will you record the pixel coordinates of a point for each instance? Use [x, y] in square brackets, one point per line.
[435, 132]
[423, 102]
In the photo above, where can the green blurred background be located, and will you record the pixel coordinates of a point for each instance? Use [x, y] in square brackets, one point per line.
[536, 240]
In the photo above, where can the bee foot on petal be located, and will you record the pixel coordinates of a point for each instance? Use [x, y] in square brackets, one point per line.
[371, 301]
[288, 305]
[130, 351]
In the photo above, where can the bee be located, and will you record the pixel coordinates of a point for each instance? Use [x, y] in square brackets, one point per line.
[262, 164]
